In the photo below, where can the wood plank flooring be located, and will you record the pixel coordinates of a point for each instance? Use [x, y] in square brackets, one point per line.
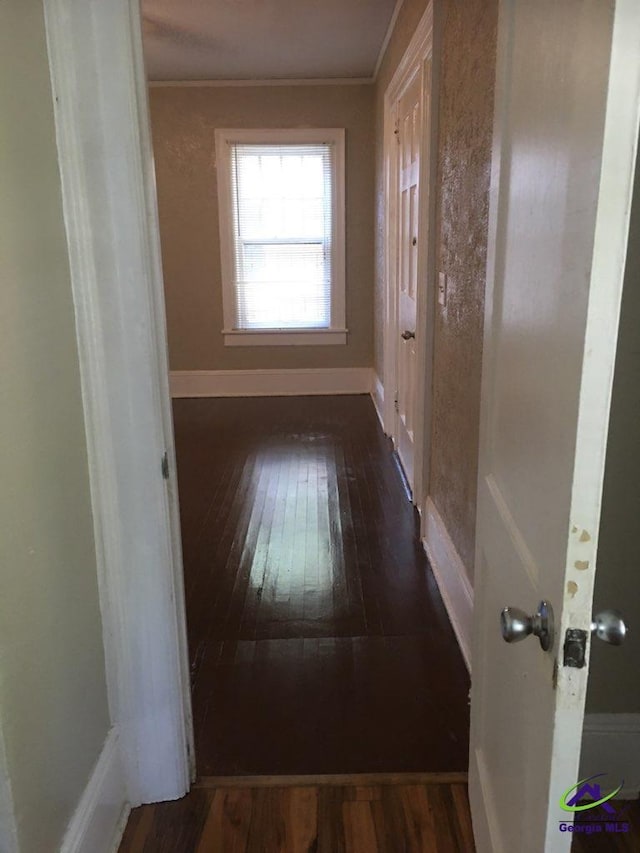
[361, 815]
[318, 639]
[402, 818]
[319, 645]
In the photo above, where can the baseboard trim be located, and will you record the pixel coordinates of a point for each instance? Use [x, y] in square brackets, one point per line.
[270, 383]
[101, 816]
[451, 577]
[611, 745]
[377, 395]
[341, 779]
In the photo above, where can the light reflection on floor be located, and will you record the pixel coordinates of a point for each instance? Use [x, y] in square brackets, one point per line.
[292, 533]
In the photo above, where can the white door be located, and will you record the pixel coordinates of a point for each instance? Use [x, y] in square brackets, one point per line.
[564, 141]
[410, 129]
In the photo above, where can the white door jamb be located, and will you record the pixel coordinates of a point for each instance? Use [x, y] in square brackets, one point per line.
[419, 50]
[106, 166]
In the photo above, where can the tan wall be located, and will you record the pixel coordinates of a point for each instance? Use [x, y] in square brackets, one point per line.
[183, 122]
[53, 703]
[467, 31]
[614, 686]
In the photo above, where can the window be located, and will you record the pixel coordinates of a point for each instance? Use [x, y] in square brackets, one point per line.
[281, 210]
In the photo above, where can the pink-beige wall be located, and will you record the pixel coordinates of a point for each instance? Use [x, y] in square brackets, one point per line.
[466, 30]
[183, 122]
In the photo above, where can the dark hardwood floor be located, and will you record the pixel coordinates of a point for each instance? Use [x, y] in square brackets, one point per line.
[360, 815]
[319, 642]
[401, 818]
[319, 645]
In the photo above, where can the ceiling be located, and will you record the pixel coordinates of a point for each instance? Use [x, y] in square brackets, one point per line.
[263, 39]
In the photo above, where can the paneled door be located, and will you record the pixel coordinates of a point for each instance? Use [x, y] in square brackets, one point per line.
[565, 137]
[410, 124]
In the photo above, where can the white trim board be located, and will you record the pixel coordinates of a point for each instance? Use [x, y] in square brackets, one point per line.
[298, 81]
[8, 826]
[284, 338]
[106, 168]
[99, 820]
[418, 58]
[377, 395]
[611, 745]
[270, 383]
[232, 212]
[451, 577]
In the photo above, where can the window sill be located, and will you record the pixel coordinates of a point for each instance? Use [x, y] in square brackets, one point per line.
[284, 337]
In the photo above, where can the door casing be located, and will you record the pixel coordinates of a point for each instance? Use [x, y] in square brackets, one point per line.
[421, 49]
[105, 155]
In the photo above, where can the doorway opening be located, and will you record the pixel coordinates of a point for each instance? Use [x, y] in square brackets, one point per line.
[318, 640]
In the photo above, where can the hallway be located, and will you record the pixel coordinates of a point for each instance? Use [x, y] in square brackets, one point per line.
[318, 639]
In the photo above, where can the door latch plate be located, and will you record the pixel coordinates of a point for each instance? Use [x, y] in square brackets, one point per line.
[575, 647]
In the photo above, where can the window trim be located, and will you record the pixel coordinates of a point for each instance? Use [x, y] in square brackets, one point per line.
[336, 333]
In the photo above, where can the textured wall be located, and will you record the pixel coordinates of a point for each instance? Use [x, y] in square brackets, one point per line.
[467, 29]
[611, 687]
[53, 704]
[464, 166]
[183, 122]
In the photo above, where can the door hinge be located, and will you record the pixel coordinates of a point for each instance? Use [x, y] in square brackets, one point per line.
[396, 405]
[164, 467]
[396, 132]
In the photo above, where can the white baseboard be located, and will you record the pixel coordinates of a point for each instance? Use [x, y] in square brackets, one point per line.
[100, 818]
[270, 383]
[611, 745]
[451, 577]
[8, 827]
[377, 395]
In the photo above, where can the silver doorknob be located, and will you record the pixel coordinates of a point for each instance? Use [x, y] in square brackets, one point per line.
[407, 335]
[516, 625]
[609, 626]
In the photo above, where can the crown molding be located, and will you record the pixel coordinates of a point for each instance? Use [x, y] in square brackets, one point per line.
[224, 84]
[387, 38]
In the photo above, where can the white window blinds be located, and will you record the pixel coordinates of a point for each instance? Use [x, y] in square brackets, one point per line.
[283, 228]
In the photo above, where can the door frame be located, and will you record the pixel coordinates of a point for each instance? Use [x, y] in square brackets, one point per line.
[420, 49]
[105, 156]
